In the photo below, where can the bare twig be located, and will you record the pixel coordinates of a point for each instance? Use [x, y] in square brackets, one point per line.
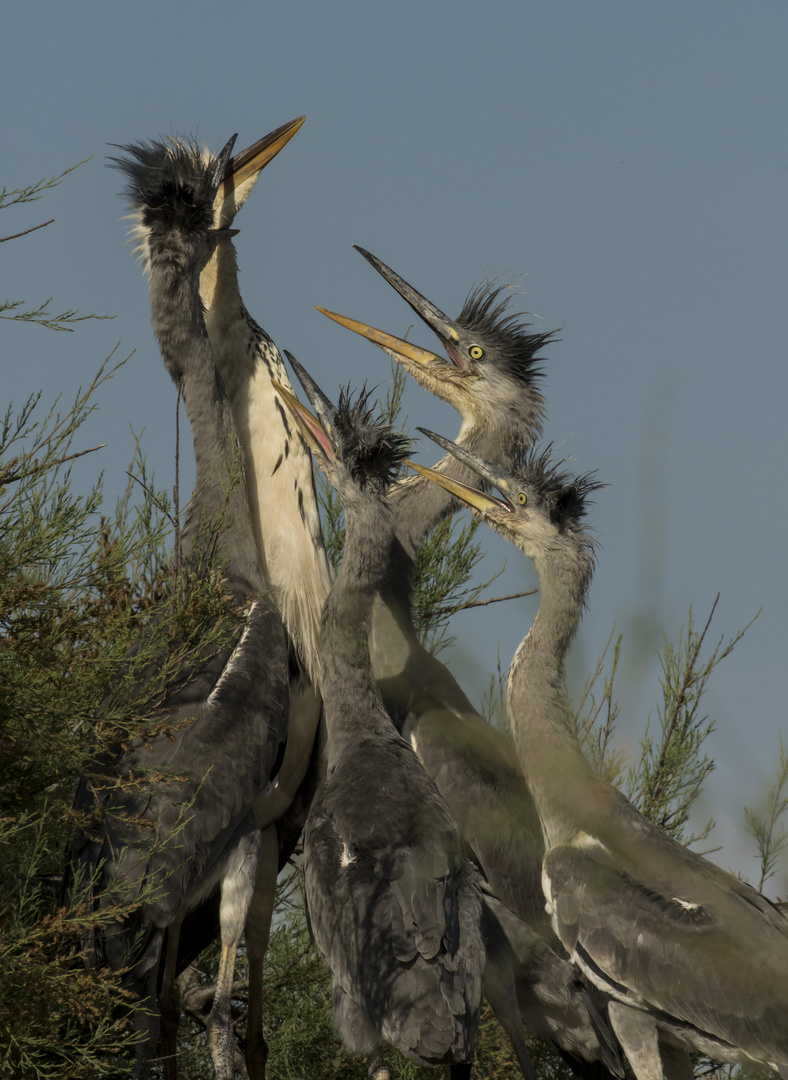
[12, 478]
[24, 232]
[478, 603]
[176, 562]
[154, 497]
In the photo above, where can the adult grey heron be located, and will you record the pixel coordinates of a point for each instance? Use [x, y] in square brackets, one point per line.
[393, 904]
[194, 786]
[691, 957]
[278, 471]
[490, 379]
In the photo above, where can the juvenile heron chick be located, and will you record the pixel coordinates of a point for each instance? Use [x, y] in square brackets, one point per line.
[228, 713]
[393, 904]
[691, 958]
[490, 374]
[284, 516]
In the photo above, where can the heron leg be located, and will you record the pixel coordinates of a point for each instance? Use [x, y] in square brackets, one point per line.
[258, 929]
[167, 1009]
[146, 1023]
[501, 993]
[237, 888]
[639, 1037]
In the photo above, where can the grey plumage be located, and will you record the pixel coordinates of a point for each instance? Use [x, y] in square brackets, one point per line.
[393, 904]
[278, 473]
[692, 957]
[286, 526]
[229, 717]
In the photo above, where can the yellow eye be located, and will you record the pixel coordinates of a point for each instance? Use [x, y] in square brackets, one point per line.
[476, 352]
[522, 498]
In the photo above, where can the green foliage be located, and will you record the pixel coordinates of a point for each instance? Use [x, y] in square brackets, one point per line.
[15, 309]
[768, 827]
[493, 702]
[58, 572]
[77, 589]
[672, 767]
[595, 720]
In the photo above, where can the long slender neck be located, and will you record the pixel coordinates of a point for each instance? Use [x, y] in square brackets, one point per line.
[352, 701]
[278, 465]
[401, 664]
[537, 703]
[219, 493]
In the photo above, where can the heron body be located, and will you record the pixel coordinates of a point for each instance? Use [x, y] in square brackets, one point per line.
[491, 379]
[279, 474]
[286, 529]
[393, 904]
[692, 958]
[169, 841]
[278, 464]
[290, 545]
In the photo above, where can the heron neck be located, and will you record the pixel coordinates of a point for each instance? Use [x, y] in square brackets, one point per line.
[421, 504]
[278, 465]
[219, 290]
[219, 494]
[351, 699]
[538, 707]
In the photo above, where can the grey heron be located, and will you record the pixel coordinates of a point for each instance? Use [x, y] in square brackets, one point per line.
[289, 540]
[393, 904]
[229, 717]
[490, 378]
[692, 958]
[278, 471]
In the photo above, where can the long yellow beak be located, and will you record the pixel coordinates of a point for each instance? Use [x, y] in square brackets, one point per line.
[394, 346]
[251, 162]
[476, 499]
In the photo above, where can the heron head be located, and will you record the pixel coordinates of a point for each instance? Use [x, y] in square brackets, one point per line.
[537, 503]
[490, 370]
[171, 189]
[172, 182]
[352, 448]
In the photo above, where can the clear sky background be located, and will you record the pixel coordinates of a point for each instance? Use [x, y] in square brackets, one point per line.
[624, 165]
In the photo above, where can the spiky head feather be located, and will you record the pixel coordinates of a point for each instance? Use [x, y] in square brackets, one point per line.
[171, 184]
[504, 334]
[563, 498]
[371, 451]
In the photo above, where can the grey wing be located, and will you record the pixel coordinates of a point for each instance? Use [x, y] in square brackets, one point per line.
[400, 932]
[716, 965]
[170, 805]
[475, 769]
[426, 906]
[552, 1000]
[434, 1006]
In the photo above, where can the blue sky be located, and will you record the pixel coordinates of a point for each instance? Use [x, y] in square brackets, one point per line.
[622, 164]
